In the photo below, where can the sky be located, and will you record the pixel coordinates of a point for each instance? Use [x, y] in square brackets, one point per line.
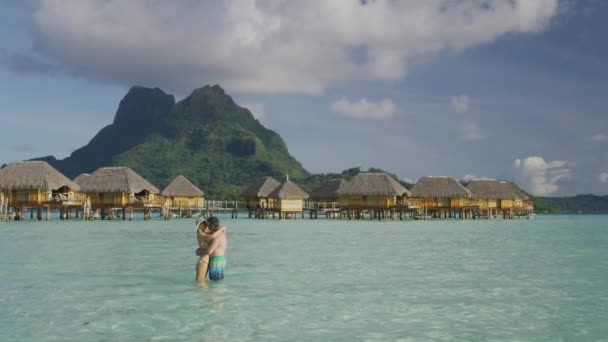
[509, 89]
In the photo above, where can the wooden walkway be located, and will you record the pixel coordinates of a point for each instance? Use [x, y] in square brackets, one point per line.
[311, 210]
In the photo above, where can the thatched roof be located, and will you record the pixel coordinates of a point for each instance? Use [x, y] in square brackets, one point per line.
[433, 187]
[329, 189]
[373, 184]
[495, 189]
[30, 175]
[182, 187]
[81, 177]
[262, 188]
[288, 190]
[116, 179]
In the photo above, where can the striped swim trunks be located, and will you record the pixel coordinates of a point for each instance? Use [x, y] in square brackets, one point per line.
[216, 267]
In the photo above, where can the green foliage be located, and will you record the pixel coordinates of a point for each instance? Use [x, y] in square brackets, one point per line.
[587, 204]
[206, 137]
[542, 206]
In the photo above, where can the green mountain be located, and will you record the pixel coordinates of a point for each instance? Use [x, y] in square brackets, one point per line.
[206, 137]
[588, 204]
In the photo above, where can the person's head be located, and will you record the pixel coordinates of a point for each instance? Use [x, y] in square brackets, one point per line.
[213, 223]
[201, 223]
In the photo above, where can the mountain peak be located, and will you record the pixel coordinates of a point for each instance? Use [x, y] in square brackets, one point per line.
[217, 88]
[142, 103]
[208, 90]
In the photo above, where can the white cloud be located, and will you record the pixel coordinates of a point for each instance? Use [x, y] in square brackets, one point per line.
[599, 137]
[364, 109]
[604, 177]
[539, 177]
[267, 46]
[468, 177]
[517, 163]
[408, 180]
[258, 110]
[472, 132]
[460, 103]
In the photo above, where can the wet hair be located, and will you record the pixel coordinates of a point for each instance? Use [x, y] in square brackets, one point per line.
[213, 222]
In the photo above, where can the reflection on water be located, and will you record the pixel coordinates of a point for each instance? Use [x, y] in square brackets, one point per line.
[308, 280]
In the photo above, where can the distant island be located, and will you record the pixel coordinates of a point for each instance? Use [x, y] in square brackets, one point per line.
[218, 145]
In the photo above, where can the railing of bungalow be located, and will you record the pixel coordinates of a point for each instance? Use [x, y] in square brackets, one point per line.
[70, 198]
[225, 205]
[156, 201]
[314, 205]
[413, 203]
[187, 203]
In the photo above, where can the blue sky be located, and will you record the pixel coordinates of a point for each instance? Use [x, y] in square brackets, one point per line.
[513, 90]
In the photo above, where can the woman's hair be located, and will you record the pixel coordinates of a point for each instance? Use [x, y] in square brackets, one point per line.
[213, 222]
[200, 221]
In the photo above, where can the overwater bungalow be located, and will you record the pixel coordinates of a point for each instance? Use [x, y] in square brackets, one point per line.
[120, 188]
[37, 185]
[183, 195]
[257, 196]
[376, 193]
[326, 196]
[442, 197]
[81, 177]
[3, 207]
[492, 196]
[288, 200]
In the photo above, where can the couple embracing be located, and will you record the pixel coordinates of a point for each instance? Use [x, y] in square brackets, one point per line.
[212, 243]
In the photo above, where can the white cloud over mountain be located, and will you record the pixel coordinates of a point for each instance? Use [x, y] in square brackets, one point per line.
[539, 177]
[363, 109]
[267, 46]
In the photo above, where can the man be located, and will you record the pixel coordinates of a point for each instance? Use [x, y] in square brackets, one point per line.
[216, 250]
[205, 239]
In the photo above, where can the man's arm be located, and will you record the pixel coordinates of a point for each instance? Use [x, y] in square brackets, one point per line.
[211, 236]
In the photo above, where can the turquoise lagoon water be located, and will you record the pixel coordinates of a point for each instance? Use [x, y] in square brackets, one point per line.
[540, 280]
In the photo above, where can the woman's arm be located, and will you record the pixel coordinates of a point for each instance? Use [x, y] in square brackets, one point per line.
[213, 246]
[211, 236]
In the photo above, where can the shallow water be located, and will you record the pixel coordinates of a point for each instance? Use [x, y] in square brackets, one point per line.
[545, 279]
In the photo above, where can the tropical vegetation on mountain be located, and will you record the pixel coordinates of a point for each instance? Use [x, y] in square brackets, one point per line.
[206, 137]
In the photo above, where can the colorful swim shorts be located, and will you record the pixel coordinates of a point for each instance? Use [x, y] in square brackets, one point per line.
[216, 267]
